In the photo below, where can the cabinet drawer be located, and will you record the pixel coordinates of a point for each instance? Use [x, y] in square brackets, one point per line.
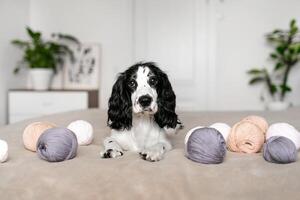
[46, 102]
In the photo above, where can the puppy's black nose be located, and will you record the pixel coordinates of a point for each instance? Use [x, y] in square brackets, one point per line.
[145, 101]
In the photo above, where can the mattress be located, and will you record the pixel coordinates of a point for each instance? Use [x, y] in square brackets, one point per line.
[87, 176]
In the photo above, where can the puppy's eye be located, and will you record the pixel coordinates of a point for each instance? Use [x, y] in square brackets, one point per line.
[131, 83]
[152, 81]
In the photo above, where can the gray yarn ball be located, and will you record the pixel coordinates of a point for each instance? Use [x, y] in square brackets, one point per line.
[206, 145]
[57, 144]
[280, 150]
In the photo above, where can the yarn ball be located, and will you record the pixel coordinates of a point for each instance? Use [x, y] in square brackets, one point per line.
[32, 133]
[3, 151]
[223, 128]
[57, 144]
[286, 130]
[83, 131]
[259, 121]
[206, 145]
[280, 150]
[190, 132]
[246, 137]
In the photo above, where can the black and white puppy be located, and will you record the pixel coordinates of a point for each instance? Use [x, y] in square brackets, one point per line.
[141, 113]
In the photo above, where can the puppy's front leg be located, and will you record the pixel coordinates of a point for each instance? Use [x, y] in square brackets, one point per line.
[172, 131]
[155, 152]
[111, 148]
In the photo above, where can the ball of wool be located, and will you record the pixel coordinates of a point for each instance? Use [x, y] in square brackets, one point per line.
[3, 151]
[57, 144]
[83, 131]
[206, 145]
[259, 121]
[32, 133]
[286, 130]
[280, 150]
[223, 128]
[188, 134]
[245, 137]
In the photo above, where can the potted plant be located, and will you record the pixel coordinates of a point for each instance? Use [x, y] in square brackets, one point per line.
[44, 58]
[286, 55]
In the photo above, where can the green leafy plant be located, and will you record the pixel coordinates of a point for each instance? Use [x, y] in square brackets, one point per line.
[45, 54]
[286, 55]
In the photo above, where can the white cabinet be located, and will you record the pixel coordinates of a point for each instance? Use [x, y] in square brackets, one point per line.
[29, 104]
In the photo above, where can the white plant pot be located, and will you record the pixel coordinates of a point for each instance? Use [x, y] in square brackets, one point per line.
[41, 78]
[277, 105]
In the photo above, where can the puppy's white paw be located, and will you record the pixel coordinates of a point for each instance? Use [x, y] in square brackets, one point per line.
[170, 131]
[111, 153]
[153, 154]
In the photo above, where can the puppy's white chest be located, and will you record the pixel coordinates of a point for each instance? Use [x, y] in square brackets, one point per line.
[145, 132]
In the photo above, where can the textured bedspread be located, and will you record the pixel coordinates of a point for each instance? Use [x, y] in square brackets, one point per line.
[25, 176]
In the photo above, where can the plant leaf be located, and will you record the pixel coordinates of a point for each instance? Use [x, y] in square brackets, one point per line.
[273, 55]
[20, 43]
[36, 36]
[294, 30]
[292, 23]
[255, 71]
[278, 66]
[256, 80]
[276, 31]
[16, 70]
[280, 49]
[273, 89]
[298, 49]
[286, 88]
[67, 37]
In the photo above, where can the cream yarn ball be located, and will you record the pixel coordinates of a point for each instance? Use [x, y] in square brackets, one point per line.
[32, 133]
[83, 131]
[223, 128]
[285, 130]
[3, 151]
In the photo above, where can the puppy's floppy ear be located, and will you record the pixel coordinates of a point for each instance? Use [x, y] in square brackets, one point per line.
[120, 106]
[165, 115]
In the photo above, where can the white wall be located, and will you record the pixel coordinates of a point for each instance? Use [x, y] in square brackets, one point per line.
[106, 22]
[240, 45]
[173, 34]
[14, 15]
[220, 43]
[232, 34]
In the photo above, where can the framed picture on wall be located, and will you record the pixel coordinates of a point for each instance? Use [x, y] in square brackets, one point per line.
[83, 73]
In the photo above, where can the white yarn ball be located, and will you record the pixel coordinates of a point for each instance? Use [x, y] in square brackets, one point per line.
[190, 132]
[3, 151]
[223, 128]
[83, 131]
[285, 130]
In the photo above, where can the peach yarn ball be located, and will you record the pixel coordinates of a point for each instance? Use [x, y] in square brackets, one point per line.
[248, 135]
[32, 133]
[259, 121]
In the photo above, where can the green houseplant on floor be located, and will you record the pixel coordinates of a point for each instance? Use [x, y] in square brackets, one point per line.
[44, 58]
[286, 55]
